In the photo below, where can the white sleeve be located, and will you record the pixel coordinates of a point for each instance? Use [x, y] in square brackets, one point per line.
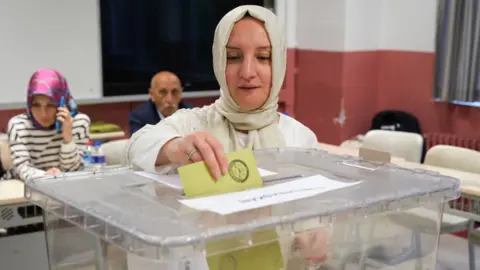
[308, 138]
[145, 144]
[312, 141]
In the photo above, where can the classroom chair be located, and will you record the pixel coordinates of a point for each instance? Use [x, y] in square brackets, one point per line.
[409, 146]
[406, 145]
[462, 159]
[454, 157]
[115, 152]
[5, 157]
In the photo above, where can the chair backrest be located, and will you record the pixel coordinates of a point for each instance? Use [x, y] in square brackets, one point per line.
[454, 157]
[406, 145]
[5, 156]
[115, 152]
[398, 121]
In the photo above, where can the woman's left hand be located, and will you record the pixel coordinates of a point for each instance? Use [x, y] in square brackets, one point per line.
[53, 171]
[63, 115]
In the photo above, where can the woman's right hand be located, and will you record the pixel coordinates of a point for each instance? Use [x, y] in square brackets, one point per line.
[198, 146]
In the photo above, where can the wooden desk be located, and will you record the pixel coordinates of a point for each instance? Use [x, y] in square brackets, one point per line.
[470, 182]
[107, 136]
[337, 150]
[12, 192]
[13, 203]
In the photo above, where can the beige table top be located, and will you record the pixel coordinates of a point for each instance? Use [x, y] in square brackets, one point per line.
[470, 182]
[107, 135]
[11, 192]
[337, 150]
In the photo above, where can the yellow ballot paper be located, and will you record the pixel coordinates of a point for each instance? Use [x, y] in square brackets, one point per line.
[242, 174]
[267, 256]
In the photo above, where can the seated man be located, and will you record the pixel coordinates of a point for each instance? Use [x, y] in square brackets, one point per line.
[165, 99]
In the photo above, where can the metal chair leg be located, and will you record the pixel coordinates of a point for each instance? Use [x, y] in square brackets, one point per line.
[471, 246]
[49, 252]
[100, 255]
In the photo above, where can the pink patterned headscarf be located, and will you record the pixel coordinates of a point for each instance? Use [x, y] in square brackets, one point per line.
[50, 83]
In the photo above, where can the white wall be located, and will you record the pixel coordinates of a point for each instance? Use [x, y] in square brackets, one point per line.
[363, 22]
[65, 34]
[408, 25]
[359, 25]
[286, 11]
[321, 24]
[60, 34]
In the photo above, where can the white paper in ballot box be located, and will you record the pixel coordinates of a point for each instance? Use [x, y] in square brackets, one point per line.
[260, 197]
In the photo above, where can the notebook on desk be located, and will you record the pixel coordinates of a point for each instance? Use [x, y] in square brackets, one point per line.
[102, 127]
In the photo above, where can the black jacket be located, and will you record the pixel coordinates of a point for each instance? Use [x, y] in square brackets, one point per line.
[397, 121]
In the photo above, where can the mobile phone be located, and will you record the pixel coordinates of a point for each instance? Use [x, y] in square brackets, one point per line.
[58, 124]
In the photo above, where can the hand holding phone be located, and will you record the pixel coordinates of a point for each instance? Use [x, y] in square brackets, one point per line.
[58, 124]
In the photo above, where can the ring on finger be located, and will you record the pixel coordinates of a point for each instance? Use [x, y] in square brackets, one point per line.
[191, 152]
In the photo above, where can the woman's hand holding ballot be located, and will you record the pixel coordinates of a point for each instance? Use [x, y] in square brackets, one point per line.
[197, 146]
[63, 115]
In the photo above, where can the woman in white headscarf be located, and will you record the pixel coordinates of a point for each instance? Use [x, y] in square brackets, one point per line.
[249, 58]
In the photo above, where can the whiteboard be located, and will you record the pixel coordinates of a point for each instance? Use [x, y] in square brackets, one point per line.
[60, 34]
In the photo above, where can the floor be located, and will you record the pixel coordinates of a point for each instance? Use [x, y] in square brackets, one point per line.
[452, 253]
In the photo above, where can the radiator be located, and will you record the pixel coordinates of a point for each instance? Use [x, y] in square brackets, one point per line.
[435, 138]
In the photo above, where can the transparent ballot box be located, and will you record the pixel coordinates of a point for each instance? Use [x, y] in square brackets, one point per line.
[316, 211]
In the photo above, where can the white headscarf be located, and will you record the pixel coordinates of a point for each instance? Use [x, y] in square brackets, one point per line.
[226, 116]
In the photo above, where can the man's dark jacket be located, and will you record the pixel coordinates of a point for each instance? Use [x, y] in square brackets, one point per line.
[147, 114]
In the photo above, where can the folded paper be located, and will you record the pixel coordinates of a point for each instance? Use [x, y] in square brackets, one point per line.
[242, 174]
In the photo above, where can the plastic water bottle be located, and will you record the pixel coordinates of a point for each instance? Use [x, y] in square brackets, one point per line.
[87, 155]
[98, 156]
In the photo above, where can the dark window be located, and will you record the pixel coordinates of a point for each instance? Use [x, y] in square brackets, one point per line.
[142, 37]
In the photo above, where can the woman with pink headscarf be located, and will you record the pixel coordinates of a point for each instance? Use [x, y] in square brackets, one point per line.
[49, 137]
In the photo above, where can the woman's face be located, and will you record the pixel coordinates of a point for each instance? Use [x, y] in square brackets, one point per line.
[44, 110]
[249, 64]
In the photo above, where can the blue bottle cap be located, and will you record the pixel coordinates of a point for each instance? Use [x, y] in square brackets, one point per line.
[97, 143]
